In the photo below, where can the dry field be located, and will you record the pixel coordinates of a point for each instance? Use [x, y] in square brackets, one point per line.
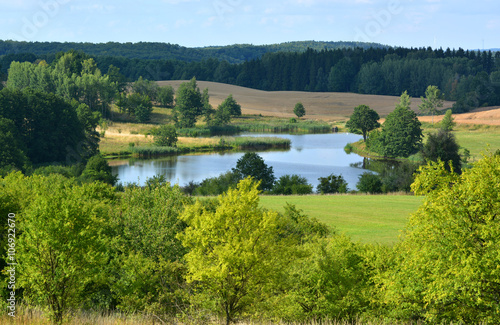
[324, 106]
[484, 116]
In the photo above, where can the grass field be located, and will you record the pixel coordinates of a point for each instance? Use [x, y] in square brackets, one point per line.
[364, 218]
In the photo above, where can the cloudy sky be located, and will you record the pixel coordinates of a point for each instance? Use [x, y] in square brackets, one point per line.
[437, 23]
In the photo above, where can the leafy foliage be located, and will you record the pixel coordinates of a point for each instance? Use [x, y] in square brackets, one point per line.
[443, 146]
[147, 271]
[251, 164]
[291, 185]
[369, 183]
[233, 266]
[432, 102]
[188, 104]
[447, 270]
[447, 123]
[299, 110]
[98, 169]
[401, 133]
[332, 184]
[62, 247]
[165, 136]
[363, 120]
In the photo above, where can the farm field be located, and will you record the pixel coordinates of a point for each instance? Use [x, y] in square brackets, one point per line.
[364, 218]
[324, 106]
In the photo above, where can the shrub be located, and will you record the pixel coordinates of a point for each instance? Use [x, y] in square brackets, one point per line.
[291, 185]
[369, 183]
[332, 184]
[165, 136]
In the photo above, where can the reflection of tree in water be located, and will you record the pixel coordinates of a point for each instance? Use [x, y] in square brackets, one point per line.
[166, 167]
[395, 175]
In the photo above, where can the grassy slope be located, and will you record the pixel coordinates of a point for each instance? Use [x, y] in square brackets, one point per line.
[365, 218]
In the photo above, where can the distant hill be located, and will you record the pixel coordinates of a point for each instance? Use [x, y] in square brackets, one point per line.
[165, 51]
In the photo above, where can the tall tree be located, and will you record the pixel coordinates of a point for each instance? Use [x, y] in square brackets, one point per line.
[62, 247]
[363, 120]
[401, 133]
[188, 104]
[432, 102]
[234, 250]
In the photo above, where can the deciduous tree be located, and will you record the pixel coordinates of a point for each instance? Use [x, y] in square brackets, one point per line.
[251, 164]
[234, 251]
[363, 120]
[299, 110]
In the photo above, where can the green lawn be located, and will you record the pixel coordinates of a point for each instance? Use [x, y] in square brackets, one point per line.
[364, 218]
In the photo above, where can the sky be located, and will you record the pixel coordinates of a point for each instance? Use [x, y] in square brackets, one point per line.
[197, 23]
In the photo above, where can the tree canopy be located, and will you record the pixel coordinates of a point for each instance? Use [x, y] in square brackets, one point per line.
[251, 164]
[401, 133]
[447, 267]
[363, 120]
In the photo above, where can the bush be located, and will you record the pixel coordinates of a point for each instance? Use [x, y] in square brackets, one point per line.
[291, 185]
[165, 136]
[332, 184]
[217, 185]
[369, 183]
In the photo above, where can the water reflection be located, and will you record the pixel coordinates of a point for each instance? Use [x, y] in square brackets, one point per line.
[310, 155]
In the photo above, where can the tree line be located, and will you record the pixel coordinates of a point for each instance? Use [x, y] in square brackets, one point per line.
[471, 78]
[236, 53]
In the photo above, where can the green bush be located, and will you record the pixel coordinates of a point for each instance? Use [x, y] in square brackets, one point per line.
[332, 184]
[369, 183]
[291, 185]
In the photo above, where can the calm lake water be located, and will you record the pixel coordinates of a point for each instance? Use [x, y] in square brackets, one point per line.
[311, 156]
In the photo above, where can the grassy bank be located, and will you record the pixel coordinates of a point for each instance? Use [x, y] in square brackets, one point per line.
[478, 139]
[365, 218]
[213, 144]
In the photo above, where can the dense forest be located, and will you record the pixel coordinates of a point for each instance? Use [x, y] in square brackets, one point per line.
[237, 53]
[471, 78]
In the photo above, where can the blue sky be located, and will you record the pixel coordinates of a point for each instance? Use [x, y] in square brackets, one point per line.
[192, 23]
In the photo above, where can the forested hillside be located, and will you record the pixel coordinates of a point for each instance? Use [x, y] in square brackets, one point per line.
[237, 53]
[471, 78]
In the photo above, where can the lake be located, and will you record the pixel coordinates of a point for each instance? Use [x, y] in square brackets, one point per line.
[311, 156]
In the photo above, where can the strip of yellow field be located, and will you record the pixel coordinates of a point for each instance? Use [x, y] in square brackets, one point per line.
[484, 116]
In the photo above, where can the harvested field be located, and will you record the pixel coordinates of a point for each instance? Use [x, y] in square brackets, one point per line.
[324, 106]
[483, 115]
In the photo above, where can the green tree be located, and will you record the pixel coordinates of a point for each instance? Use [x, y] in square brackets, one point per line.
[166, 96]
[401, 133]
[165, 136]
[234, 251]
[446, 270]
[369, 183]
[299, 110]
[98, 169]
[443, 146]
[432, 102]
[251, 164]
[363, 120]
[208, 110]
[231, 105]
[12, 155]
[147, 271]
[62, 247]
[332, 184]
[291, 185]
[138, 105]
[188, 104]
[448, 123]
